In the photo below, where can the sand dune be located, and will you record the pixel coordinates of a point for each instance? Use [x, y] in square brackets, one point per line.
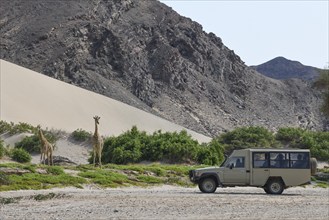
[31, 97]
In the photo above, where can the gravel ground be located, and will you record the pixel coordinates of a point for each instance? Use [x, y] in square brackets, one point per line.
[168, 202]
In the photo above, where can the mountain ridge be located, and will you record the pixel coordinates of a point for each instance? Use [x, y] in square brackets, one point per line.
[146, 55]
[283, 68]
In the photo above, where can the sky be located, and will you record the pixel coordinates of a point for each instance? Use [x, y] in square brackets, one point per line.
[261, 30]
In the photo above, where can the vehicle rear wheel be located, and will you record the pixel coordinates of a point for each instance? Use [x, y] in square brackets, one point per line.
[208, 185]
[274, 187]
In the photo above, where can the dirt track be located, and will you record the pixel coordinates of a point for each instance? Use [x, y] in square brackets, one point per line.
[168, 202]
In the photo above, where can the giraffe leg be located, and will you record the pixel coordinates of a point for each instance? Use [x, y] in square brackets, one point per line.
[51, 159]
[100, 159]
[94, 155]
[48, 158]
[43, 158]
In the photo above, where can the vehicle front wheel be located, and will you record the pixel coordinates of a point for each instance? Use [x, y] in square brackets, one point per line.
[274, 187]
[208, 185]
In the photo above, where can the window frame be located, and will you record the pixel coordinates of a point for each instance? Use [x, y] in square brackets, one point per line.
[287, 162]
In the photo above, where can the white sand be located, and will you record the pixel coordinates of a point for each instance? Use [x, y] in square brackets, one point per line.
[168, 202]
[28, 96]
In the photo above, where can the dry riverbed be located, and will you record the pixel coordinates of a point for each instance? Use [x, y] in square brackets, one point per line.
[166, 202]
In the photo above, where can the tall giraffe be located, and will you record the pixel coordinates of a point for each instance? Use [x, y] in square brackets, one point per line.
[46, 148]
[97, 143]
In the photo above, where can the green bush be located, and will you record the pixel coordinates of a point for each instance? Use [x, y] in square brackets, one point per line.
[247, 137]
[4, 127]
[80, 135]
[125, 148]
[21, 155]
[4, 180]
[317, 142]
[2, 149]
[13, 128]
[31, 144]
[289, 135]
[55, 170]
[211, 153]
[135, 146]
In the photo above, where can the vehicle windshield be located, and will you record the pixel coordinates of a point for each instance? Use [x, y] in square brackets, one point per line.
[226, 157]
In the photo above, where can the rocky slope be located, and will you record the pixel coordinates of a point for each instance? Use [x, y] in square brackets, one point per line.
[143, 53]
[282, 68]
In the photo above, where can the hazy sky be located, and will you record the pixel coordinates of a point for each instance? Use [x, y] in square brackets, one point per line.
[261, 30]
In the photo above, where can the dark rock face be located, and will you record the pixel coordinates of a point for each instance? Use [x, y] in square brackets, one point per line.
[61, 161]
[282, 68]
[144, 54]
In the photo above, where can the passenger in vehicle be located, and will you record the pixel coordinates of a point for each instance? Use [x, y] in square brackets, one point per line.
[280, 162]
[301, 162]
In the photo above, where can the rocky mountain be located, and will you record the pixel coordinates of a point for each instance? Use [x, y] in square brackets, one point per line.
[282, 68]
[143, 53]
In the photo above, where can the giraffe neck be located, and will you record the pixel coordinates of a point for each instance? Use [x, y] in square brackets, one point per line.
[42, 137]
[96, 130]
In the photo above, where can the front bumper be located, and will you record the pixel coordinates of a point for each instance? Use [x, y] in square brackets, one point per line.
[193, 177]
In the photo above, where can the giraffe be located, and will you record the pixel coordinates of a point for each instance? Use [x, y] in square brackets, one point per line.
[97, 143]
[46, 148]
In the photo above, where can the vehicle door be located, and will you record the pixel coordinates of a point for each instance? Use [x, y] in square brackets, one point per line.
[235, 171]
[260, 168]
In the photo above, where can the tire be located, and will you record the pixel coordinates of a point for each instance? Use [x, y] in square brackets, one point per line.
[208, 185]
[274, 187]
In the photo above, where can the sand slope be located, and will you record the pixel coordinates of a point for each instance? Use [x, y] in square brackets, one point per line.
[28, 96]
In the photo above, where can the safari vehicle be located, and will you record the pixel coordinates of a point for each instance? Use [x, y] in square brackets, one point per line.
[271, 169]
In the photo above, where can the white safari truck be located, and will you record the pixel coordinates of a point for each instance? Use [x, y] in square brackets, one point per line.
[271, 169]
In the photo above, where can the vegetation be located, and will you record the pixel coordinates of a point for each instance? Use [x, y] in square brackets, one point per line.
[135, 146]
[12, 128]
[2, 149]
[21, 155]
[247, 137]
[30, 143]
[122, 156]
[5, 201]
[317, 142]
[55, 170]
[81, 135]
[258, 137]
[322, 83]
[111, 175]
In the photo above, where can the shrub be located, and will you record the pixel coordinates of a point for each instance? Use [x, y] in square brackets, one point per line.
[247, 137]
[13, 128]
[4, 180]
[22, 127]
[289, 135]
[80, 135]
[55, 170]
[211, 153]
[317, 142]
[21, 155]
[4, 127]
[135, 146]
[2, 149]
[31, 144]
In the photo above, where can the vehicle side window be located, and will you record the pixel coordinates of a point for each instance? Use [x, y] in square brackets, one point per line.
[279, 160]
[237, 162]
[299, 160]
[260, 160]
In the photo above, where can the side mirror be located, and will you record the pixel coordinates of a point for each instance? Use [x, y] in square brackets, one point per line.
[232, 165]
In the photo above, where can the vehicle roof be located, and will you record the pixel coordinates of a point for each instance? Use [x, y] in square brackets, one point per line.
[275, 150]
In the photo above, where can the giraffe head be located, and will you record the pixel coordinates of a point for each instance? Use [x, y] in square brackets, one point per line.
[39, 127]
[96, 119]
